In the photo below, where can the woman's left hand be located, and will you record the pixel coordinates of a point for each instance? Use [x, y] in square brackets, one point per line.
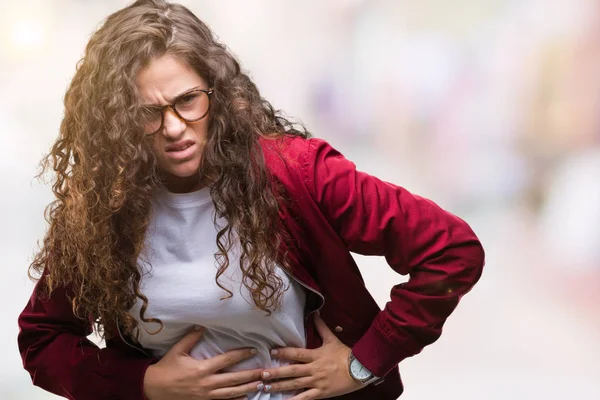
[322, 372]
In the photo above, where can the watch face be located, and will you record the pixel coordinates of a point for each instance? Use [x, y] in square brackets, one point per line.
[359, 371]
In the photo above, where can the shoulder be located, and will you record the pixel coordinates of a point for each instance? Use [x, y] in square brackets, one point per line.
[292, 150]
[286, 158]
[295, 160]
[286, 146]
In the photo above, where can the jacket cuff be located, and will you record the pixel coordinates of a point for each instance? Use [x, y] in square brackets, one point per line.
[129, 377]
[378, 352]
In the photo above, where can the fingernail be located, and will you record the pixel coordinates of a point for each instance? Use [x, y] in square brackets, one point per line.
[266, 375]
[268, 388]
[260, 386]
[274, 352]
[253, 351]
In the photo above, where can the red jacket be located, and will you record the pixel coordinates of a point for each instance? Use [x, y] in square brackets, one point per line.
[332, 210]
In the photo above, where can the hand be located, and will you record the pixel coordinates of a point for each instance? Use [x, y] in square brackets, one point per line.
[178, 376]
[324, 373]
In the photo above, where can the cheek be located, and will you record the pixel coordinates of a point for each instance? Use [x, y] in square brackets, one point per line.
[161, 159]
[200, 130]
[156, 146]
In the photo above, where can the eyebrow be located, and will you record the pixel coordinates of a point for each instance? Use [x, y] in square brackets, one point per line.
[173, 98]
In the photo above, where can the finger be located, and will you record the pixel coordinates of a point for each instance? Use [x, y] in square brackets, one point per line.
[293, 353]
[235, 391]
[324, 330]
[228, 379]
[229, 358]
[311, 394]
[187, 342]
[288, 371]
[289, 384]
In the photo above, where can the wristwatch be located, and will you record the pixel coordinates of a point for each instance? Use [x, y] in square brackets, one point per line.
[360, 373]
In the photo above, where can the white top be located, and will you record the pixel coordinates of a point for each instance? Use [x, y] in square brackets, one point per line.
[181, 290]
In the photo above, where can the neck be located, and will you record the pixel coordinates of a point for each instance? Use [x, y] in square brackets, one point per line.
[177, 184]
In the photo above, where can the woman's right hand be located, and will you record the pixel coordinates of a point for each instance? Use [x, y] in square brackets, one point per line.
[178, 376]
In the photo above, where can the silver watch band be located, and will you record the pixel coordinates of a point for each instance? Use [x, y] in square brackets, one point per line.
[373, 380]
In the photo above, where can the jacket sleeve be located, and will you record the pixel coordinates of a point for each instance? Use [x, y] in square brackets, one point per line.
[60, 359]
[438, 250]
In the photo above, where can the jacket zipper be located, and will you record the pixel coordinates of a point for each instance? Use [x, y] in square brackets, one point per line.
[298, 281]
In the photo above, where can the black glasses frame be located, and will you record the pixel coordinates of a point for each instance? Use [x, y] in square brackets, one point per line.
[171, 106]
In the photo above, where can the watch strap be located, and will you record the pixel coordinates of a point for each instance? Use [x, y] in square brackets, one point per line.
[371, 379]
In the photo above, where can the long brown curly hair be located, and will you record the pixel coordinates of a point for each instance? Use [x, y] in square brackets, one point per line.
[105, 172]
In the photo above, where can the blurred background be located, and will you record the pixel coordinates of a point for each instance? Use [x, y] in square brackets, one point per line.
[489, 107]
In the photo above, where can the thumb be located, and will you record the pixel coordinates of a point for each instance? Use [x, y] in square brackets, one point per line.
[187, 342]
[324, 330]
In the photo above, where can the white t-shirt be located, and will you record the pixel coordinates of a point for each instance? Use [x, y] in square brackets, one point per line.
[182, 292]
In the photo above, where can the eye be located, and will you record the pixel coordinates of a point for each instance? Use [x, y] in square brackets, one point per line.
[187, 98]
[150, 113]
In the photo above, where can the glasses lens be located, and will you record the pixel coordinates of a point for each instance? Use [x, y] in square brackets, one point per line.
[192, 106]
[151, 119]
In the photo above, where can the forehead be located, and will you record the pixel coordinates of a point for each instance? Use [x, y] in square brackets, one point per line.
[165, 78]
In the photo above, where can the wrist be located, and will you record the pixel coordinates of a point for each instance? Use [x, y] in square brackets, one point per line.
[359, 372]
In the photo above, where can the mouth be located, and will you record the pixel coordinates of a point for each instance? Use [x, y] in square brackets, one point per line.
[179, 146]
[181, 151]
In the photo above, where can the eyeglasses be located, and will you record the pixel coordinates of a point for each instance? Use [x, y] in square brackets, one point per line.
[190, 106]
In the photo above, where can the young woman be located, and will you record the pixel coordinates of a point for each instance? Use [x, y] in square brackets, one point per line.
[209, 240]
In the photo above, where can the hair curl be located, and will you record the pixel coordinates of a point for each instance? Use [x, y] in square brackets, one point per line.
[105, 172]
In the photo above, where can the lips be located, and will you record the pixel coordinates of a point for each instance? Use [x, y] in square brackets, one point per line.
[181, 151]
[180, 146]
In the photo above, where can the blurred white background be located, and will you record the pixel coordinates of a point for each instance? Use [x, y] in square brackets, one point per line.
[489, 107]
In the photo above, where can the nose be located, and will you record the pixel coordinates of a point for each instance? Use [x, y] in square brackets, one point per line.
[173, 126]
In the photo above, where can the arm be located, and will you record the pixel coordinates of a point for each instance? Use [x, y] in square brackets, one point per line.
[438, 250]
[61, 360]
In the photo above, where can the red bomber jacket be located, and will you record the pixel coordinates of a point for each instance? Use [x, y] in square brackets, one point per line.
[331, 210]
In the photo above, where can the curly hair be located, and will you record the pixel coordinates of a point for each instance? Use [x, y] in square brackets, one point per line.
[105, 172]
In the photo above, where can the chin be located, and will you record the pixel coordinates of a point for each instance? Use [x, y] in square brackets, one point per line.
[184, 172]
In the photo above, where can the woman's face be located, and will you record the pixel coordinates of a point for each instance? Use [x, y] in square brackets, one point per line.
[178, 145]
